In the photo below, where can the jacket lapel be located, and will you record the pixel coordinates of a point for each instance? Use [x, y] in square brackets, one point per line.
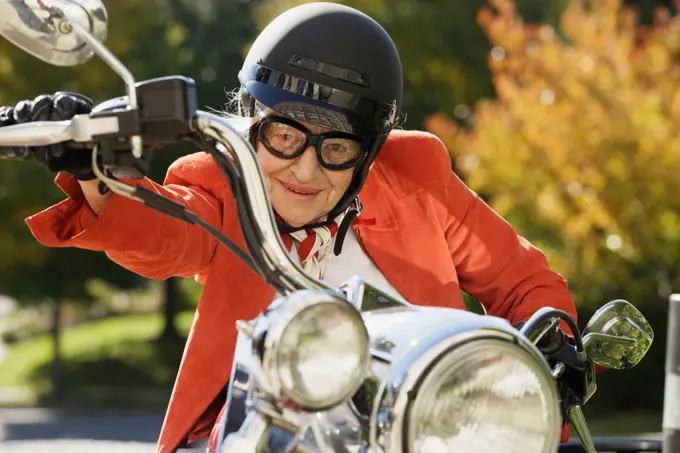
[404, 249]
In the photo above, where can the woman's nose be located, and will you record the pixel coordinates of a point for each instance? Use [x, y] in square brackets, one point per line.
[306, 165]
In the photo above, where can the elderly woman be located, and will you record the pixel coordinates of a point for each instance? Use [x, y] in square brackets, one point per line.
[320, 91]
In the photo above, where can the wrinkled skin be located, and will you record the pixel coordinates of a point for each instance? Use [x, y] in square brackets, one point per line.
[322, 188]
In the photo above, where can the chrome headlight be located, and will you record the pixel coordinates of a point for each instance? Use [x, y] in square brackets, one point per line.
[314, 350]
[480, 391]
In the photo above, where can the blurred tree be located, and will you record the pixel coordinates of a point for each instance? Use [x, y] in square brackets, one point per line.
[204, 40]
[581, 151]
[445, 68]
[28, 271]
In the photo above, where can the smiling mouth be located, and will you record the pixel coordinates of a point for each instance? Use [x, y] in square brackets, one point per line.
[297, 190]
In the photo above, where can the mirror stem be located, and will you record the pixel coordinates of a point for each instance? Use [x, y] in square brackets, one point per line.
[111, 60]
[578, 421]
[123, 72]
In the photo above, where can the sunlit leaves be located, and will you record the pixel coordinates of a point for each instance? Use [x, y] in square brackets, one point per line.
[583, 138]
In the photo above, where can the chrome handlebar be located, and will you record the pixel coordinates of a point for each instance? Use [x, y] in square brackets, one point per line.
[270, 249]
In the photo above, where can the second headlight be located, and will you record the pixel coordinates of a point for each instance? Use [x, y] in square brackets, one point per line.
[486, 395]
[476, 387]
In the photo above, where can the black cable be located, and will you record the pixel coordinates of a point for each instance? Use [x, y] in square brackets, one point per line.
[235, 249]
[251, 233]
[247, 222]
[546, 314]
[166, 206]
[178, 211]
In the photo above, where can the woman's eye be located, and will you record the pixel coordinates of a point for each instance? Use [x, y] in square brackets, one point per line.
[338, 148]
[284, 139]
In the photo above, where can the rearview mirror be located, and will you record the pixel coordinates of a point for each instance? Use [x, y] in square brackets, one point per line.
[43, 28]
[617, 336]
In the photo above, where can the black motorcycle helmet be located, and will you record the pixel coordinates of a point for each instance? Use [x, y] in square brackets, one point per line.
[332, 66]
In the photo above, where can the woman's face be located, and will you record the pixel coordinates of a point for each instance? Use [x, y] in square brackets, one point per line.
[300, 189]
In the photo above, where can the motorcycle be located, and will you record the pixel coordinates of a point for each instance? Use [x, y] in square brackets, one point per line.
[344, 369]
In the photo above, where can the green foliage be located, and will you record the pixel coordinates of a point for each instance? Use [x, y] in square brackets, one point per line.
[442, 49]
[115, 352]
[200, 40]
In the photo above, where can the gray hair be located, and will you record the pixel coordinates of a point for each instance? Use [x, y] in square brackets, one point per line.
[232, 112]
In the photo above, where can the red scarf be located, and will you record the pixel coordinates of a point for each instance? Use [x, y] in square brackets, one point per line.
[314, 246]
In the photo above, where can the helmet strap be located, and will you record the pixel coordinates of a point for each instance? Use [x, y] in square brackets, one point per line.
[346, 224]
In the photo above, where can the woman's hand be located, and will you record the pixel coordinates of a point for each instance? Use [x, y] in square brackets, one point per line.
[94, 198]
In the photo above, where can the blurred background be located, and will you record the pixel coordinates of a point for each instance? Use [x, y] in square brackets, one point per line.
[563, 114]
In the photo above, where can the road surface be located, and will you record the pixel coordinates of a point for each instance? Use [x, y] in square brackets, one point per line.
[49, 431]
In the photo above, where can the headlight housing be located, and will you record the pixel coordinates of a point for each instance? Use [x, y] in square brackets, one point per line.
[480, 391]
[484, 396]
[314, 350]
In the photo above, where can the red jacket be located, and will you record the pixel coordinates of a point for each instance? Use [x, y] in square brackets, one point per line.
[428, 233]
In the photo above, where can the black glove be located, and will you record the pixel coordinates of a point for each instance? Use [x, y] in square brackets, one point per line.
[62, 157]
[7, 119]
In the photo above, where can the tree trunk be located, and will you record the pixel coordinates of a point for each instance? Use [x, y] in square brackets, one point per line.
[171, 306]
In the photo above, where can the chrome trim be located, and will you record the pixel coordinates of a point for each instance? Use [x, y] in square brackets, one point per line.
[367, 297]
[262, 434]
[267, 339]
[44, 28]
[80, 128]
[393, 331]
[535, 335]
[596, 336]
[390, 410]
[117, 66]
[36, 134]
[112, 61]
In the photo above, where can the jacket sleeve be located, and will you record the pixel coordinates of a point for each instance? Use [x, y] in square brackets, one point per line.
[138, 238]
[501, 269]
[504, 271]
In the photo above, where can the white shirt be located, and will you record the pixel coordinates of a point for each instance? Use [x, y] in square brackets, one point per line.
[351, 261]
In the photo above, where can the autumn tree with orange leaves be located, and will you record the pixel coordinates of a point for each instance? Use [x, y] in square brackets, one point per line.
[580, 150]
